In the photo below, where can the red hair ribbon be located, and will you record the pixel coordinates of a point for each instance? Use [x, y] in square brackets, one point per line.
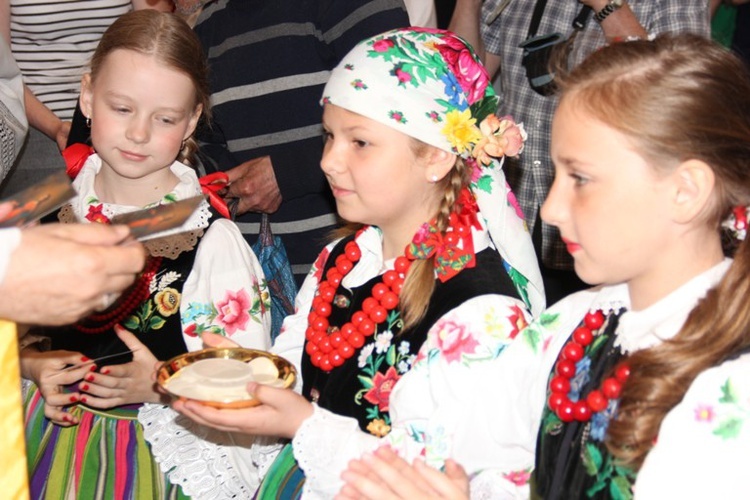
[75, 156]
[211, 184]
[453, 251]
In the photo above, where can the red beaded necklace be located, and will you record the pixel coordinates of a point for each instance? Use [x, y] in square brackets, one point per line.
[565, 369]
[328, 347]
[453, 250]
[125, 305]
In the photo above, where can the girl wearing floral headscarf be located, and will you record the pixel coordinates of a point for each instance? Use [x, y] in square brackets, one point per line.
[401, 321]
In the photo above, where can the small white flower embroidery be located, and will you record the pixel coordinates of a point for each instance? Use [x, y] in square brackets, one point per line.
[364, 354]
[383, 341]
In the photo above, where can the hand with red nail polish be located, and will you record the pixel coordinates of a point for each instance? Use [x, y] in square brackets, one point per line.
[127, 383]
[48, 371]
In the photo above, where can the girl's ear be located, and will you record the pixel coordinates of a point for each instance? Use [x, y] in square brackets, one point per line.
[87, 95]
[438, 164]
[193, 123]
[694, 185]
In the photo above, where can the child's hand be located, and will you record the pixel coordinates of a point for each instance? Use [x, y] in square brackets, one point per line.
[47, 371]
[280, 413]
[385, 475]
[215, 340]
[123, 384]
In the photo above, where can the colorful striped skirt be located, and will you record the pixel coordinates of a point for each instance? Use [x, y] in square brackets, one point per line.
[103, 457]
[284, 480]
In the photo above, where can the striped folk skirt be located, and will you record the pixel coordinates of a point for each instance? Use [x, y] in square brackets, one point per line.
[103, 457]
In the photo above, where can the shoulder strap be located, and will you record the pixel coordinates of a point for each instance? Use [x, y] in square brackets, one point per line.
[536, 17]
[578, 23]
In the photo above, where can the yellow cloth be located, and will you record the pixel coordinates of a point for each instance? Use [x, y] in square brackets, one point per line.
[13, 475]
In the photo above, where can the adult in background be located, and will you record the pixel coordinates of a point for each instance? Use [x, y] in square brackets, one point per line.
[269, 61]
[496, 28]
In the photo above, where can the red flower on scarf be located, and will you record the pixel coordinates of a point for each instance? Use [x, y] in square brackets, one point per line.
[383, 45]
[470, 74]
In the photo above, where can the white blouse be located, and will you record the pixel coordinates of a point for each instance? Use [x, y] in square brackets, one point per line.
[529, 361]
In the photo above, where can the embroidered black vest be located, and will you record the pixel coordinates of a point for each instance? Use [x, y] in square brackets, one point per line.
[571, 458]
[359, 388]
[155, 321]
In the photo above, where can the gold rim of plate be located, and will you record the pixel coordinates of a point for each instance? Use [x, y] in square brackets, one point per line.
[168, 369]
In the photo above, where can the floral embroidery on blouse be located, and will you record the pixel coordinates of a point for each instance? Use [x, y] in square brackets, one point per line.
[519, 477]
[95, 214]
[542, 328]
[729, 414]
[230, 314]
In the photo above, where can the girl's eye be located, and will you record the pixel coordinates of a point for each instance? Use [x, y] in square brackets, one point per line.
[360, 144]
[327, 136]
[121, 109]
[167, 121]
[578, 179]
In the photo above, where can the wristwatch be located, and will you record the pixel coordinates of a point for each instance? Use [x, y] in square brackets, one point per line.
[612, 6]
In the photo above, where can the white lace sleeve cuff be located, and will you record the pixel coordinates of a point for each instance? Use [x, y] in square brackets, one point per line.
[323, 446]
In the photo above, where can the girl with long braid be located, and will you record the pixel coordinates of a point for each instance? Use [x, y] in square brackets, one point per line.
[402, 321]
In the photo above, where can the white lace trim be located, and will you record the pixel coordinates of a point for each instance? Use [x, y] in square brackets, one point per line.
[323, 447]
[264, 452]
[195, 457]
[170, 246]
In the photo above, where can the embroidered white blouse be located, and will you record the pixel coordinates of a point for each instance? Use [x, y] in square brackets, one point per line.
[226, 274]
[686, 444]
[439, 408]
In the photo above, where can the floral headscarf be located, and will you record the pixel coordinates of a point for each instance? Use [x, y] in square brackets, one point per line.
[429, 84]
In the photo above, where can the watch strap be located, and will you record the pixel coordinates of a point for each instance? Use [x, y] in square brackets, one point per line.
[606, 11]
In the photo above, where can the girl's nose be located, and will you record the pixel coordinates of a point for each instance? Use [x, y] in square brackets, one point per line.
[138, 130]
[330, 162]
[554, 210]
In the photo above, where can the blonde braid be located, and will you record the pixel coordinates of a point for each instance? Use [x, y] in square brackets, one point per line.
[420, 281]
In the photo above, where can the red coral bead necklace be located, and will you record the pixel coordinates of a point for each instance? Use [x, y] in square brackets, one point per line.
[329, 346]
[565, 369]
[125, 305]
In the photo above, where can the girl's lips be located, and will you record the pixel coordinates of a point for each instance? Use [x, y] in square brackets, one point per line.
[571, 246]
[339, 192]
[132, 156]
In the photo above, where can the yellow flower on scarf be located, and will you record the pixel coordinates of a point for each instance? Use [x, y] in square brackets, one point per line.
[460, 130]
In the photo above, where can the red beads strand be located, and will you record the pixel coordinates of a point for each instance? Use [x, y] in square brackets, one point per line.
[329, 346]
[125, 305]
[565, 369]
